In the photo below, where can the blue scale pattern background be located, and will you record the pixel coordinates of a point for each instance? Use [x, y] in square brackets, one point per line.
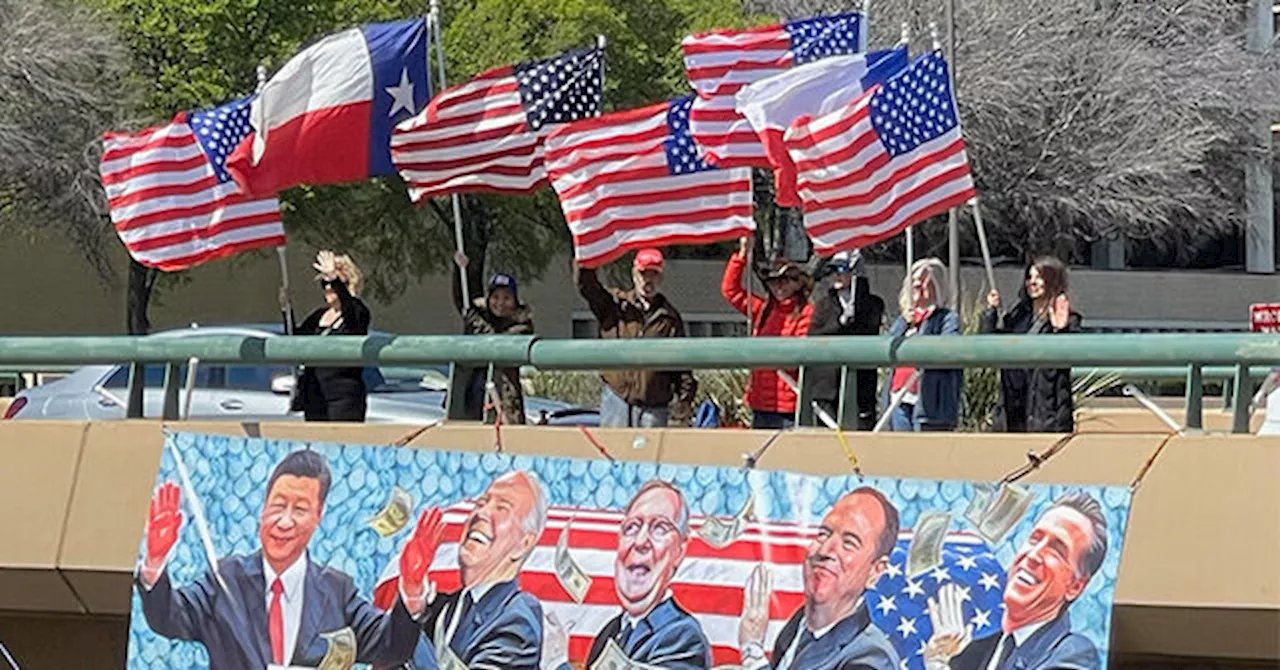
[229, 475]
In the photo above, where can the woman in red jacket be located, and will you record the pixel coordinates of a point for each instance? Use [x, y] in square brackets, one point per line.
[784, 313]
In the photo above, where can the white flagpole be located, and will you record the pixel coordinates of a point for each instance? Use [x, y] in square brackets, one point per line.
[433, 24]
[280, 250]
[982, 241]
[905, 40]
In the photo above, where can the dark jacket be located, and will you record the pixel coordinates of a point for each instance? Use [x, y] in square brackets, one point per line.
[234, 629]
[1011, 410]
[855, 643]
[478, 320]
[767, 391]
[334, 384]
[940, 388]
[502, 630]
[1050, 405]
[1053, 647]
[667, 637]
[623, 315]
[868, 312]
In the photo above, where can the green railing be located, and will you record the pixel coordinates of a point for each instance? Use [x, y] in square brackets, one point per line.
[1245, 353]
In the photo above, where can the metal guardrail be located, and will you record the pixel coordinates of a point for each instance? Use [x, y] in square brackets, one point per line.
[1245, 353]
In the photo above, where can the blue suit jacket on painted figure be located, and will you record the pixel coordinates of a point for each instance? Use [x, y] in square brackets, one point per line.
[852, 644]
[667, 637]
[1053, 647]
[502, 630]
[234, 629]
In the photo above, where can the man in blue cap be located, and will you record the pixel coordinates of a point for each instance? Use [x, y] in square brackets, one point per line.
[844, 305]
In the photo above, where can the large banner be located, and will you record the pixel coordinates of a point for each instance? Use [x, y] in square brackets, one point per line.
[265, 553]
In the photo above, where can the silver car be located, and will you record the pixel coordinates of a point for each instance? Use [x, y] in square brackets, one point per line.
[257, 392]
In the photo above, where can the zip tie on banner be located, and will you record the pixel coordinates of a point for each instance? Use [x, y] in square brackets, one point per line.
[751, 459]
[414, 434]
[1146, 467]
[596, 443]
[848, 452]
[1034, 460]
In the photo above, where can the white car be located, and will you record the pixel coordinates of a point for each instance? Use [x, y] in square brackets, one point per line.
[254, 392]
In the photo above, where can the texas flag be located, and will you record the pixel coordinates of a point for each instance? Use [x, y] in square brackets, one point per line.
[327, 116]
[772, 104]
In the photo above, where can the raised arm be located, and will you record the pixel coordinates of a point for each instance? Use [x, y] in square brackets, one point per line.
[602, 303]
[731, 286]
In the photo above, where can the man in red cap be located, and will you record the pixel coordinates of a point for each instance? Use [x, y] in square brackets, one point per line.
[639, 398]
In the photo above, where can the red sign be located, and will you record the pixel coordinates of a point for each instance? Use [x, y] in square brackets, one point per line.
[1265, 317]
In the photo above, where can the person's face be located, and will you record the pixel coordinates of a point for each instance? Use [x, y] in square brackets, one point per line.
[650, 549]
[785, 286]
[1035, 284]
[923, 291]
[1045, 573]
[290, 515]
[493, 535]
[330, 295]
[842, 561]
[647, 282]
[502, 302]
[841, 280]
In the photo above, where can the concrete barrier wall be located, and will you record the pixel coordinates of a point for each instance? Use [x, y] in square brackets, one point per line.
[1199, 576]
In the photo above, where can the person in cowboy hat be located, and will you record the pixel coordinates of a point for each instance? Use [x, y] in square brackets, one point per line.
[844, 305]
[785, 312]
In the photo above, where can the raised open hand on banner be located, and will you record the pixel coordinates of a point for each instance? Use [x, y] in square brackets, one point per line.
[326, 264]
[1061, 314]
[419, 553]
[555, 640]
[755, 606]
[164, 520]
[950, 632]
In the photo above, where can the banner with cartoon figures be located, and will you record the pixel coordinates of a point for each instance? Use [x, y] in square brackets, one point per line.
[274, 554]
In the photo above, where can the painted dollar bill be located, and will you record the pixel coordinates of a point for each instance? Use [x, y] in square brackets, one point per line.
[925, 552]
[1004, 512]
[341, 654]
[720, 533]
[395, 514]
[572, 577]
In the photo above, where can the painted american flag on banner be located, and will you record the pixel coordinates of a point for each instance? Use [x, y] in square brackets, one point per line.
[487, 134]
[890, 159]
[172, 201]
[634, 179]
[721, 62]
[710, 581]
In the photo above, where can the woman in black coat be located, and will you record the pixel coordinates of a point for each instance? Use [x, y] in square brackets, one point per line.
[844, 305]
[334, 393]
[1037, 400]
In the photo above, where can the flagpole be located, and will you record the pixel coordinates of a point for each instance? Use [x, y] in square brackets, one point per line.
[281, 256]
[433, 24]
[953, 218]
[905, 40]
[982, 241]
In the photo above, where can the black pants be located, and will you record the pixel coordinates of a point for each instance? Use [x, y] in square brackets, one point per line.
[333, 399]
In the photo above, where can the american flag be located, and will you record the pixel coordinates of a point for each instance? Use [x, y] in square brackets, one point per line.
[710, 581]
[892, 158]
[487, 134]
[172, 201]
[634, 179]
[721, 62]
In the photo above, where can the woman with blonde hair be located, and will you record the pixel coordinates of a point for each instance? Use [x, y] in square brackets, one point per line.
[334, 393]
[930, 400]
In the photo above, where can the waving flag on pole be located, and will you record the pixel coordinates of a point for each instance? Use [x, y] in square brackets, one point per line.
[172, 201]
[487, 134]
[326, 117]
[891, 158]
[634, 179]
[771, 104]
[722, 62]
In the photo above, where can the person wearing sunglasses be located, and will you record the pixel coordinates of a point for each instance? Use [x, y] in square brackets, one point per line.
[785, 312]
[334, 393]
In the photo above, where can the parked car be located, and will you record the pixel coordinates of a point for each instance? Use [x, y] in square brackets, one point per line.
[257, 392]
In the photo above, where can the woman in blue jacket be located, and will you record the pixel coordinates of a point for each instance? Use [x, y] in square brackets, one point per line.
[931, 399]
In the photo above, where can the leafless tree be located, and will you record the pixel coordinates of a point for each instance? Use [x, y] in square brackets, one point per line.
[62, 83]
[1086, 118]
